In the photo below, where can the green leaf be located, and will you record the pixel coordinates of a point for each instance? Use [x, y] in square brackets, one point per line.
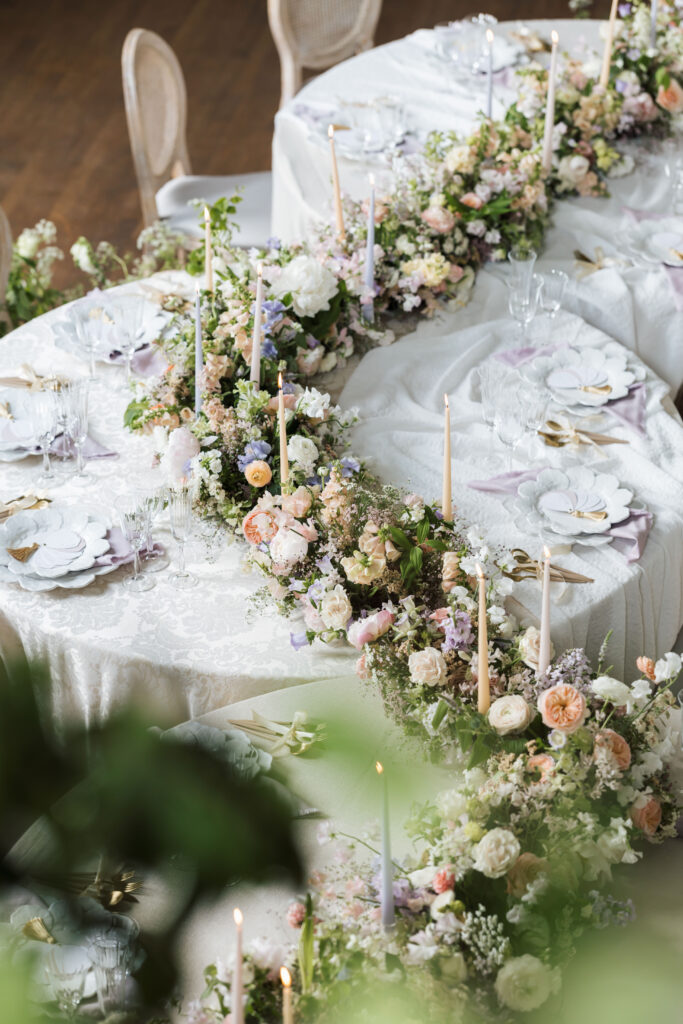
[422, 531]
[306, 950]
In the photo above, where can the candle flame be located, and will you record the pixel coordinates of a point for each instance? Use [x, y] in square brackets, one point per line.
[196, 288]
[238, 917]
[546, 551]
[330, 131]
[207, 215]
[279, 381]
[555, 37]
[445, 401]
[489, 36]
[371, 179]
[285, 977]
[480, 571]
[379, 767]
[259, 268]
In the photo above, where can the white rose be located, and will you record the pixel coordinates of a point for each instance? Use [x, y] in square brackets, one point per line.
[304, 452]
[335, 608]
[524, 983]
[27, 243]
[667, 667]
[428, 667]
[310, 283]
[181, 449]
[451, 804]
[530, 646]
[496, 852]
[509, 714]
[572, 170]
[288, 546]
[612, 690]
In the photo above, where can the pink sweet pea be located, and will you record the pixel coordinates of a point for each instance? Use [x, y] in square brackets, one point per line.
[364, 631]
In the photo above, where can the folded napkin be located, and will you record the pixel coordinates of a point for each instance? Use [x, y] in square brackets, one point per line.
[120, 551]
[629, 536]
[64, 447]
[675, 274]
[147, 361]
[518, 356]
[631, 408]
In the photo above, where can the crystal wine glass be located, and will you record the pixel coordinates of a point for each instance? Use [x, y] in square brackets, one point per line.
[553, 286]
[65, 973]
[522, 259]
[77, 425]
[523, 304]
[134, 520]
[509, 422]
[44, 419]
[127, 313]
[152, 500]
[111, 958]
[180, 514]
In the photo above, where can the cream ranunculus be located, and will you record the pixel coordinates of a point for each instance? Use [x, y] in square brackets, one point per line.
[335, 608]
[510, 713]
[530, 646]
[428, 667]
[496, 853]
[361, 568]
[524, 983]
[310, 284]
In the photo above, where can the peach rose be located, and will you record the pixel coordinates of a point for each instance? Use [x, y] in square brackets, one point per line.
[439, 219]
[297, 504]
[646, 814]
[444, 880]
[671, 98]
[259, 526]
[258, 473]
[543, 763]
[525, 870]
[563, 708]
[646, 666]
[608, 739]
[472, 200]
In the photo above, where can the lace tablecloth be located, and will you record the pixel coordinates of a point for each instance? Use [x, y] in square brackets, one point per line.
[638, 306]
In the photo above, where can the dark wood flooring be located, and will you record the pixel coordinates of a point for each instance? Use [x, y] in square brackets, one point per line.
[64, 151]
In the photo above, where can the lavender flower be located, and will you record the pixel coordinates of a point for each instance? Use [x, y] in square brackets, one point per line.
[458, 631]
[609, 911]
[298, 640]
[255, 450]
[349, 465]
[571, 667]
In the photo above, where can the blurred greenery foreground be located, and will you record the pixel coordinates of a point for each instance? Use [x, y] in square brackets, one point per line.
[84, 816]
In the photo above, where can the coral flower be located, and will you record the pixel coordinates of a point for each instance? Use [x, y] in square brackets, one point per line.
[563, 708]
[443, 880]
[543, 763]
[610, 740]
[646, 814]
[646, 666]
[259, 526]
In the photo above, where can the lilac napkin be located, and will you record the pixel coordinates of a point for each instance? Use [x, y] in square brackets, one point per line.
[147, 361]
[517, 356]
[505, 483]
[120, 552]
[631, 408]
[630, 537]
[63, 446]
[674, 274]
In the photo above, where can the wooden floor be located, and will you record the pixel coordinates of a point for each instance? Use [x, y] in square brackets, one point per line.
[64, 151]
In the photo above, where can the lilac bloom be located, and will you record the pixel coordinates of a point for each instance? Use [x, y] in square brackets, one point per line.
[268, 350]
[298, 640]
[325, 564]
[288, 388]
[311, 341]
[297, 586]
[349, 465]
[315, 591]
[273, 242]
[458, 632]
[624, 10]
[255, 450]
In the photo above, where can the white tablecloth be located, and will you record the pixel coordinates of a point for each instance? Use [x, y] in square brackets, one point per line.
[637, 306]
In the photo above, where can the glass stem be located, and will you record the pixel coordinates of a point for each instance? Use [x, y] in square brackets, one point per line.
[79, 459]
[46, 460]
[129, 359]
[136, 562]
[92, 363]
[181, 557]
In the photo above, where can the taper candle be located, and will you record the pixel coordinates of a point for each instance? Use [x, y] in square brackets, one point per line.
[287, 1011]
[547, 159]
[255, 376]
[544, 645]
[489, 74]
[483, 689]
[284, 460]
[609, 39]
[653, 24]
[237, 990]
[338, 215]
[447, 490]
[387, 867]
[368, 305]
[208, 252]
[198, 353]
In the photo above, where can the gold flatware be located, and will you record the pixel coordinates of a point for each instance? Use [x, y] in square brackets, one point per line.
[596, 517]
[594, 389]
[5, 411]
[676, 253]
[528, 568]
[23, 503]
[22, 554]
[37, 929]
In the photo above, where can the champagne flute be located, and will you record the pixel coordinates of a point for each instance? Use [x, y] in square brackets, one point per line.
[77, 426]
[180, 514]
[554, 283]
[44, 417]
[134, 520]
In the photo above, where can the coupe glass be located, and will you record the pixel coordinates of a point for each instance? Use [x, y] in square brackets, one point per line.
[553, 287]
[134, 520]
[523, 303]
[180, 515]
[127, 314]
[77, 425]
[65, 972]
[44, 421]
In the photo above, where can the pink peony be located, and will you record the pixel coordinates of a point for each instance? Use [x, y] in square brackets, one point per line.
[259, 526]
[563, 708]
[472, 200]
[641, 108]
[364, 631]
[608, 739]
[646, 814]
[443, 880]
[439, 219]
[296, 915]
[671, 98]
[297, 504]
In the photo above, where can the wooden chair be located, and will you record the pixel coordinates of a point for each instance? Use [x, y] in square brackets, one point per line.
[317, 34]
[5, 263]
[156, 111]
